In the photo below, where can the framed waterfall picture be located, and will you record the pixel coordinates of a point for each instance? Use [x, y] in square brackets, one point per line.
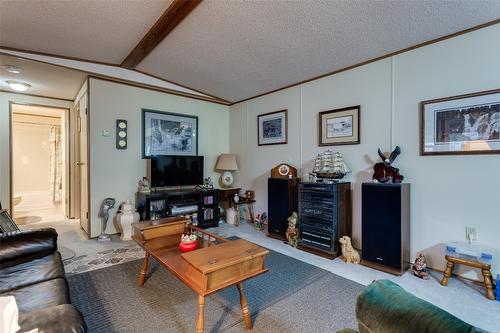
[165, 133]
[460, 125]
[339, 127]
[272, 128]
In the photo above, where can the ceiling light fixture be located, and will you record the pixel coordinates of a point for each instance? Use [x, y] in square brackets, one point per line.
[12, 69]
[18, 86]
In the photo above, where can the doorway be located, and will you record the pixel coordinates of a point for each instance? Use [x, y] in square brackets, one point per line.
[39, 167]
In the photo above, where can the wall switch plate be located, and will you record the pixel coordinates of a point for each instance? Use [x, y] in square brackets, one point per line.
[470, 234]
[106, 133]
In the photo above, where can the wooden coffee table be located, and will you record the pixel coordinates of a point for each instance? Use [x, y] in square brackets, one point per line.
[216, 264]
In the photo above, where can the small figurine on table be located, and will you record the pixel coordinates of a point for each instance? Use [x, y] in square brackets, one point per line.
[291, 233]
[144, 185]
[420, 267]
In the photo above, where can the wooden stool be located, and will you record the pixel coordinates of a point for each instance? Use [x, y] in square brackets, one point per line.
[485, 269]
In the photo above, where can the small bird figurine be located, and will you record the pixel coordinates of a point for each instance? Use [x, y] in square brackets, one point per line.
[420, 267]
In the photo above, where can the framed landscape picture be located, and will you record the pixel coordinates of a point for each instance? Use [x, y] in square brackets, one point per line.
[339, 127]
[465, 124]
[165, 133]
[272, 128]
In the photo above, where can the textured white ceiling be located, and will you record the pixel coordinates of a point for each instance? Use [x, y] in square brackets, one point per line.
[45, 80]
[238, 49]
[101, 30]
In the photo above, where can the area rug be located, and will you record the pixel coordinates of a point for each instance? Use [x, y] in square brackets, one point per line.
[27, 219]
[102, 259]
[292, 297]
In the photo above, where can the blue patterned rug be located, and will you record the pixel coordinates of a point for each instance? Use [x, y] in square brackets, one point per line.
[292, 297]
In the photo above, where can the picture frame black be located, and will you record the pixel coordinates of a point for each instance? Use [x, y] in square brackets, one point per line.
[147, 146]
[282, 138]
[460, 125]
[347, 136]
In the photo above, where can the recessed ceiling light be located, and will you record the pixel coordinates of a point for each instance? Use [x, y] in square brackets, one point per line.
[12, 69]
[18, 86]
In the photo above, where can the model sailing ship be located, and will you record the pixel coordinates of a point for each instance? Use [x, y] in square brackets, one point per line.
[328, 166]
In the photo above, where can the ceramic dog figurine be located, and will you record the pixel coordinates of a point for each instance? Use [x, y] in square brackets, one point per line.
[351, 256]
[291, 233]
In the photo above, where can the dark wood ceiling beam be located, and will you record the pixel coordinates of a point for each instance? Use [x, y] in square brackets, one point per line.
[174, 15]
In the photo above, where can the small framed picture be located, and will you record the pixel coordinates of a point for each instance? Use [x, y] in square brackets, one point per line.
[272, 128]
[460, 125]
[165, 133]
[339, 127]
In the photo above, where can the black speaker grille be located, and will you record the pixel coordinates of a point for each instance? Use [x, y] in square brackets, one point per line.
[381, 224]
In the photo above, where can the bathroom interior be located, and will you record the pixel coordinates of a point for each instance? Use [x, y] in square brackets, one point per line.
[39, 153]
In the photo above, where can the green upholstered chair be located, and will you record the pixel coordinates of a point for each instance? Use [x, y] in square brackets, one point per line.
[385, 307]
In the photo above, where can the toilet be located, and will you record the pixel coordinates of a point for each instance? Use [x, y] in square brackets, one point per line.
[16, 200]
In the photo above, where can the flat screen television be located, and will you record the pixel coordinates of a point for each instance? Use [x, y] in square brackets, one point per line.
[176, 171]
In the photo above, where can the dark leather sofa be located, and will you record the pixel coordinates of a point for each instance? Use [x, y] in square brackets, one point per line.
[32, 271]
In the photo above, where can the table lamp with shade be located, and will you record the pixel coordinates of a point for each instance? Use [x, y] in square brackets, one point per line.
[226, 163]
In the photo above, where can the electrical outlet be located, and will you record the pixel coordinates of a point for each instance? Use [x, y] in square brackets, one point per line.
[470, 234]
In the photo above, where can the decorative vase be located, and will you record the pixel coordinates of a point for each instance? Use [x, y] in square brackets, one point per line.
[230, 215]
[187, 246]
[125, 218]
[227, 179]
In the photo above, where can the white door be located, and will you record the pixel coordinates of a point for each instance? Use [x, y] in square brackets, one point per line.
[83, 164]
[74, 162]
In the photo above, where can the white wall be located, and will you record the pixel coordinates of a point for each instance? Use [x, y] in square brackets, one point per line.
[31, 152]
[448, 192]
[5, 98]
[114, 173]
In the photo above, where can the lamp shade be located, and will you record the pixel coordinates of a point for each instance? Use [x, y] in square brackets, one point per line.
[226, 162]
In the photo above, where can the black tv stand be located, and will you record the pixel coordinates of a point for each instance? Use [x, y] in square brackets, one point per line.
[173, 202]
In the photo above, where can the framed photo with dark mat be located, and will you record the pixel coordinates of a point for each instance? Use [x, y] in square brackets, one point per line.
[6, 222]
[165, 133]
[461, 125]
[339, 127]
[272, 128]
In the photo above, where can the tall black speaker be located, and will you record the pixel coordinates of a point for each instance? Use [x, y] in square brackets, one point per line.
[385, 229]
[281, 202]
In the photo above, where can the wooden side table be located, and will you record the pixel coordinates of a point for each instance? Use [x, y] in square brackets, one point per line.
[226, 195]
[485, 269]
[236, 205]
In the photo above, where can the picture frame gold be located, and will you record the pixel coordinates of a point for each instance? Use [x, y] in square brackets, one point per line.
[339, 127]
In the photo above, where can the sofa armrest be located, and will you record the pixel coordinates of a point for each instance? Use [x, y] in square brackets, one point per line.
[386, 307]
[63, 318]
[17, 244]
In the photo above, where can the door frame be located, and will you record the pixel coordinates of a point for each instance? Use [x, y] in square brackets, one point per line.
[75, 204]
[67, 169]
